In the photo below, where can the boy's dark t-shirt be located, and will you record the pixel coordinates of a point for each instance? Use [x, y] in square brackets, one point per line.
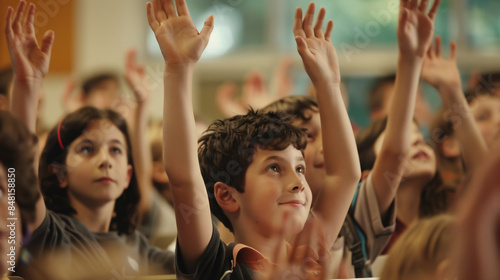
[66, 240]
[215, 262]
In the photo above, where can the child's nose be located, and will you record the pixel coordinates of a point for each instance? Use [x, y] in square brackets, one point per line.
[104, 159]
[297, 186]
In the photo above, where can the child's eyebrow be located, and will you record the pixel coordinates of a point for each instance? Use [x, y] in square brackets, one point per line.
[280, 158]
[116, 141]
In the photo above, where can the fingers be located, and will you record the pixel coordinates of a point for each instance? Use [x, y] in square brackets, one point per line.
[423, 6]
[47, 42]
[182, 8]
[404, 17]
[308, 20]
[404, 4]
[8, 22]
[430, 53]
[169, 7]
[413, 4]
[297, 23]
[433, 11]
[160, 14]
[328, 30]
[153, 23]
[318, 27]
[16, 24]
[453, 50]
[302, 48]
[208, 26]
[131, 54]
[29, 24]
[438, 46]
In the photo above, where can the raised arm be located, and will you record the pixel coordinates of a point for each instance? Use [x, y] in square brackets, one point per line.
[444, 76]
[30, 64]
[141, 153]
[479, 220]
[339, 146]
[415, 31]
[182, 45]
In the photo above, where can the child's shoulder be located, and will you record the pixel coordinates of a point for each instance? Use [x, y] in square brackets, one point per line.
[218, 259]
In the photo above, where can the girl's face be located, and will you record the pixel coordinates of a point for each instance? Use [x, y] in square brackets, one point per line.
[97, 167]
[486, 112]
[421, 160]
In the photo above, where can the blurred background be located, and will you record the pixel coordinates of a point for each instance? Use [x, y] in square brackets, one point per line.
[94, 35]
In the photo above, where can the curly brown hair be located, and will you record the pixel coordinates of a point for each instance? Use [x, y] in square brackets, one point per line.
[226, 149]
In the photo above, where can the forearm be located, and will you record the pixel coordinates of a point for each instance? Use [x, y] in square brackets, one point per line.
[474, 148]
[396, 145]
[24, 100]
[341, 158]
[141, 152]
[400, 116]
[339, 144]
[179, 138]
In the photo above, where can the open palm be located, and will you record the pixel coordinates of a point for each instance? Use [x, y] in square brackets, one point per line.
[314, 46]
[438, 71]
[28, 59]
[416, 26]
[179, 40]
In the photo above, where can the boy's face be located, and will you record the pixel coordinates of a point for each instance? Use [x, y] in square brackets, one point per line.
[313, 153]
[275, 186]
[97, 167]
[486, 112]
[421, 160]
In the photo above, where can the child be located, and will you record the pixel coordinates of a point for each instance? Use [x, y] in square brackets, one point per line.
[365, 231]
[459, 123]
[393, 148]
[252, 165]
[424, 251]
[86, 175]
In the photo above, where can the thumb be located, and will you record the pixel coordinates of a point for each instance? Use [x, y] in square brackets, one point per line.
[208, 26]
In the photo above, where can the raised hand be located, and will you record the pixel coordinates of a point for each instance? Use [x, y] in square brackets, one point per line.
[134, 74]
[314, 45]
[179, 40]
[416, 26]
[29, 61]
[439, 72]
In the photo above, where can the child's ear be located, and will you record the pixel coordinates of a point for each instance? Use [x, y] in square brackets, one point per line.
[60, 172]
[450, 147]
[225, 196]
[129, 174]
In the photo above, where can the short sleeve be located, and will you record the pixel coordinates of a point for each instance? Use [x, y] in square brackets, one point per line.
[215, 260]
[367, 216]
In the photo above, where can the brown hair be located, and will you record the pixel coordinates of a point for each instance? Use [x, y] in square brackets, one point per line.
[226, 149]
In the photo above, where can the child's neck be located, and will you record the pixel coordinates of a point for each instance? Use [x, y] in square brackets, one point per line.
[408, 200]
[265, 245]
[96, 219]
